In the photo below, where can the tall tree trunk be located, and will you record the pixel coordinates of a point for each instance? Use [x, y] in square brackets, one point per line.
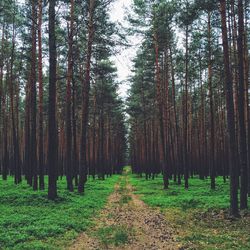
[33, 141]
[230, 115]
[27, 163]
[3, 113]
[74, 154]
[211, 101]
[160, 108]
[203, 138]
[69, 172]
[241, 109]
[1, 104]
[93, 137]
[101, 161]
[145, 157]
[15, 141]
[40, 82]
[52, 130]
[85, 101]
[176, 121]
[185, 114]
[246, 74]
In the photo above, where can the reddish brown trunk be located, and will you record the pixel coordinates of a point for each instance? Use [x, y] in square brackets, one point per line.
[52, 131]
[69, 171]
[15, 139]
[40, 82]
[211, 100]
[33, 141]
[160, 108]
[242, 136]
[85, 101]
[185, 115]
[230, 115]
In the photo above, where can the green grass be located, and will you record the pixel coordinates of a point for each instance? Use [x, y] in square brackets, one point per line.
[113, 235]
[28, 220]
[122, 186]
[127, 170]
[125, 199]
[199, 194]
[199, 214]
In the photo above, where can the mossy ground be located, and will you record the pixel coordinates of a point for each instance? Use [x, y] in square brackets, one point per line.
[113, 235]
[199, 214]
[28, 220]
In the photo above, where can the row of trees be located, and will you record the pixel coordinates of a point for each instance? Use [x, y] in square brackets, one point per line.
[188, 104]
[59, 109]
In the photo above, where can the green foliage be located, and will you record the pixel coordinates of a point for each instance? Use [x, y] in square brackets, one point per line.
[29, 220]
[199, 214]
[114, 235]
[125, 199]
[127, 170]
[198, 196]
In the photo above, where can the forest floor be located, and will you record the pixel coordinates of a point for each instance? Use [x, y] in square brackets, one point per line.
[122, 212]
[141, 215]
[127, 223]
[199, 215]
[29, 221]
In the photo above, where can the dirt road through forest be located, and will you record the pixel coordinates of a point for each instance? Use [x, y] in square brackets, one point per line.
[127, 223]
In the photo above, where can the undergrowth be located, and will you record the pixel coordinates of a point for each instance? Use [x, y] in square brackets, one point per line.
[199, 214]
[113, 235]
[28, 220]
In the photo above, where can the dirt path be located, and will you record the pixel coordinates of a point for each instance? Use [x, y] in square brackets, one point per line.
[127, 223]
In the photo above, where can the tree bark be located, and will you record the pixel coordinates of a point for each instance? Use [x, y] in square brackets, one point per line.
[211, 101]
[52, 131]
[230, 115]
[33, 140]
[241, 109]
[160, 110]
[85, 101]
[40, 82]
[69, 171]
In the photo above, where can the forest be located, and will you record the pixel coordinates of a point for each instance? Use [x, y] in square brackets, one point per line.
[165, 167]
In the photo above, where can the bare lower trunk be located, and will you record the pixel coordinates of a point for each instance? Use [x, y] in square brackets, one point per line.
[230, 115]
